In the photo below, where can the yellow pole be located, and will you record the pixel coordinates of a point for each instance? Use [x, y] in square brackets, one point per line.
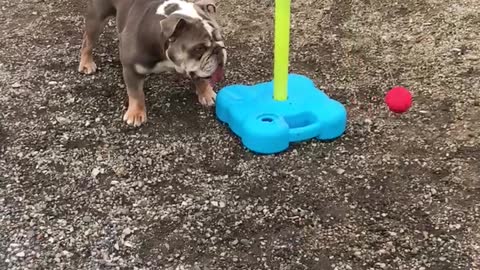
[281, 49]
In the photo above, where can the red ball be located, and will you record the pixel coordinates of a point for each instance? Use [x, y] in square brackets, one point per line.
[398, 99]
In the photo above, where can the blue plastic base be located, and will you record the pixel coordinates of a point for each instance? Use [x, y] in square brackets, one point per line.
[267, 126]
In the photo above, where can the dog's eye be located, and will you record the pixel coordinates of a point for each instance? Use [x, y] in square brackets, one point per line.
[198, 51]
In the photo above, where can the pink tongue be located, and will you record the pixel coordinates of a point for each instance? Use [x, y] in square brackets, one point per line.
[216, 76]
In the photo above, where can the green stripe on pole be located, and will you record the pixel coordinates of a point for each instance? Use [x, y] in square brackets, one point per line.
[281, 50]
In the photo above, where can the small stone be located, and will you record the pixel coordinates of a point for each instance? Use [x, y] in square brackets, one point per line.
[442, 259]
[16, 85]
[67, 254]
[382, 265]
[382, 251]
[70, 99]
[120, 171]
[62, 222]
[393, 234]
[87, 219]
[340, 171]
[214, 203]
[128, 244]
[457, 226]
[95, 172]
[127, 232]
[62, 120]
[245, 242]
[222, 204]
[20, 254]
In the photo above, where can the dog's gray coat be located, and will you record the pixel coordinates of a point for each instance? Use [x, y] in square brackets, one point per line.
[156, 36]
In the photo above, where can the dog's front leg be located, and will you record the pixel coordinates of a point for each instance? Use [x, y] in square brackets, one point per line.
[205, 93]
[136, 113]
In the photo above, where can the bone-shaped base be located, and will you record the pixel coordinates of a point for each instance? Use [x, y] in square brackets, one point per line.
[266, 126]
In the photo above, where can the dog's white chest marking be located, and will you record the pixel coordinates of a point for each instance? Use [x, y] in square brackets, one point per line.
[158, 68]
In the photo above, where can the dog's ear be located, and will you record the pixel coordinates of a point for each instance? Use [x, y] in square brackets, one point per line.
[173, 25]
[208, 6]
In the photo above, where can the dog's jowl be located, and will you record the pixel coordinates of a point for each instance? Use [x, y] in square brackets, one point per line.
[157, 36]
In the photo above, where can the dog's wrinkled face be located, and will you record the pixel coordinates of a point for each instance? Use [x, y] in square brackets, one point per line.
[195, 44]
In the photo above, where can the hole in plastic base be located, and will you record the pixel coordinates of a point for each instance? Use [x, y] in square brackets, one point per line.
[267, 119]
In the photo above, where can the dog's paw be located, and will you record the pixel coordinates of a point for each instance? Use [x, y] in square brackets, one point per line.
[87, 67]
[135, 116]
[207, 97]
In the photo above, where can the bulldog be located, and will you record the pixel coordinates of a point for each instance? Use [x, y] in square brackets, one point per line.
[157, 36]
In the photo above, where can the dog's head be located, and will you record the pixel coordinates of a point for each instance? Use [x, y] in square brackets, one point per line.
[194, 40]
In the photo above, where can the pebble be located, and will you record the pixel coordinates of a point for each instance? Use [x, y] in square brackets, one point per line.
[20, 254]
[456, 226]
[96, 172]
[62, 120]
[128, 244]
[127, 232]
[87, 219]
[382, 265]
[67, 253]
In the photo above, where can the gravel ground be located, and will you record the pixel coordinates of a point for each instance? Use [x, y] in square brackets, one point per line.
[80, 190]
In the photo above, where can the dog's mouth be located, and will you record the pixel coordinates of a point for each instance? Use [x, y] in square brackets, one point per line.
[216, 76]
[213, 79]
